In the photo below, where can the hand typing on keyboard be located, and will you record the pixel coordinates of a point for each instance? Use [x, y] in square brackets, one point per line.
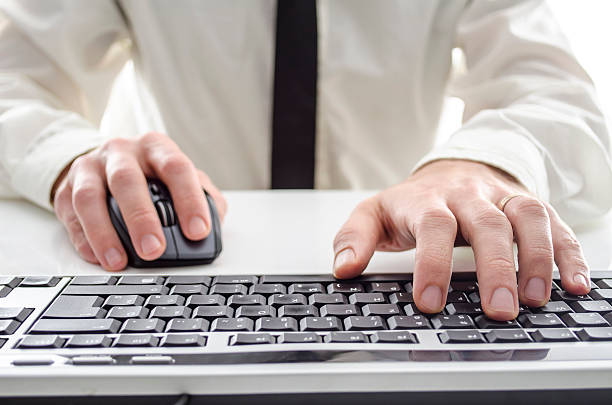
[454, 202]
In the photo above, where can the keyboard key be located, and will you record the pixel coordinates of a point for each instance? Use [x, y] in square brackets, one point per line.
[256, 311]
[287, 299]
[10, 281]
[228, 289]
[127, 312]
[240, 300]
[485, 323]
[474, 297]
[291, 279]
[346, 337]
[106, 290]
[554, 307]
[177, 280]
[169, 312]
[595, 334]
[248, 280]
[554, 335]
[75, 312]
[39, 281]
[300, 337]
[599, 306]
[93, 280]
[136, 341]
[81, 341]
[401, 298]
[408, 322]
[605, 283]
[138, 280]
[586, 319]
[199, 300]
[187, 325]
[463, 286]
[298, 311]
[69, 326]
[567, 297]
[461, 336]
[601, 294]
[122, 301]
[353, 323]
[232, 324]
[164, 300]
[540, 321]
[386, 288]
[189, 289]
[452, 322]
[508, 336]
[456, 297]
[17, 313]
[183, 340]
[393, 337]
[251, 339]
[318, 323]
[213, 312]
[380, 309]
[276, 324]
[367, 298]
[467, 308]
[309, 288]
[340, 310]
[268, 289]
[41, 342]
[412, 309]
[345, 288]
[150, 325]
[8, 326]
[4, 291]
[323, 299]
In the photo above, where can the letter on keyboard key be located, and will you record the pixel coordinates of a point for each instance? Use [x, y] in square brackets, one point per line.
[169, 312]
[251, 339]
[188, 289]
[540, 321]
[367, 298]
[236, 301]
[80, 341]
[136, 280]
[346, 337]
[461, 336]
[345, 288]
[41, 342]
[485, 323]
[151, 325]
[276, 324]
[198, 300]
[187, 325]
[299, 337]
[287, 299]
[554, 307]
[567, 297]
[310, 288]
[353, 323]
[46, 326]
[587, 319]
[381, 309]
[383, 288]
[401, 298]
[127, 312]
[508, 336]
[174, 280]
[164, 300]
[122, 301]
[324, 299]
[600, 306]
[317, 323]
[554, 335]
[466, 308]
[232, 324]
[408, 322]
[255, 311]
[213, 312]
[388, 336]
[136, 341]
[228, 289]
[178, 340]
[298, 311]
[268, 289]
[235, 280]
[595, 334]
[452, 322]
[340, 310]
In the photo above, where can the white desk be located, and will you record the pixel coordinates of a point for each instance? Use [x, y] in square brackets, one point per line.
[265, 232]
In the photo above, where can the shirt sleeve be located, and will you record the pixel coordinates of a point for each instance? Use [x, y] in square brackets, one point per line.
[530, 108]
[58, 62]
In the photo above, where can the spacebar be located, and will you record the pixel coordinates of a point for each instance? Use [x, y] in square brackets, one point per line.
[76, 326]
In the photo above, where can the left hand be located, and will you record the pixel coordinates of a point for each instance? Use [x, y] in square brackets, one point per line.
[453, 202]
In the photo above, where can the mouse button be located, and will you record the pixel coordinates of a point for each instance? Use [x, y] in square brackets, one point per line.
[170, 252]
[162, 212]
[193, 250]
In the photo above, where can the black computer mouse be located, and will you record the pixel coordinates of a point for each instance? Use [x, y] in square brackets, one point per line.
[180, 251]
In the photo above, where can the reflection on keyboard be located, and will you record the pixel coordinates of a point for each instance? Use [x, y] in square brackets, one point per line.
[224, 314]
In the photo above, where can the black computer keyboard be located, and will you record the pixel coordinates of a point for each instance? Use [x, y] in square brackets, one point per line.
[151, 319]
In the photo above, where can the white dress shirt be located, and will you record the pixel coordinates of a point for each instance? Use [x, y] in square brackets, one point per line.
[384, 68]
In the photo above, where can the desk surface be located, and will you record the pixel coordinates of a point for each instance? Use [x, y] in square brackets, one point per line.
[265, 232]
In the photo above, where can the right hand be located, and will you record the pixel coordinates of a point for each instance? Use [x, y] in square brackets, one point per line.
[122, 165]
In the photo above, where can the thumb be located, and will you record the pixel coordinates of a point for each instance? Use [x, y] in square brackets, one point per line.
[356, 241]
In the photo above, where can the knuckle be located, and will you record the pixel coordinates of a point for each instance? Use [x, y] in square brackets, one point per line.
[121, 176]
[151, 137]
[500, 264]
[116, 144]
[569, 243]
[436, 218]
[141, 217]
[85, 195]
[528, 207]
[344, 238]
[491, 219]
[176, 164]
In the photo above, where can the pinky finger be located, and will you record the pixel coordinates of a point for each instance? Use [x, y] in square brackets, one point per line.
[568, 256]
[79, 240]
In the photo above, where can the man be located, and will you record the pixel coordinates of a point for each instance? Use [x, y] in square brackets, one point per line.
[533, 136]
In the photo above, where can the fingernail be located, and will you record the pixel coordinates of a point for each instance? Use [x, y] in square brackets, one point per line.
[197, 226]
[432, 298]
[113, 257]
[345, 256]
[149, 244]
[580, 279]
[536, 289]
[502, 300]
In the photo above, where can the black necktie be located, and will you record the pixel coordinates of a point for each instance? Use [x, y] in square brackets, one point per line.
[295, 95]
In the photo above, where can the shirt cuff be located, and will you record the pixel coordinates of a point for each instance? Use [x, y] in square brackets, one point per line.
[506, 150]
[38, 172]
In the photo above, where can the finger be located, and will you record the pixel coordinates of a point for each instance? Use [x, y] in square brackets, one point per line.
[65, 213]
[128, 185]
[435, 230]
[489, 233]
[89, 202]
[209, 186]
[532, 233]
[568, 256]
[356, 241]
[179, 175]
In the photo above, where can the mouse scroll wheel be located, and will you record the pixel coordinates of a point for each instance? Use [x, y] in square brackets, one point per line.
[165, 212]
